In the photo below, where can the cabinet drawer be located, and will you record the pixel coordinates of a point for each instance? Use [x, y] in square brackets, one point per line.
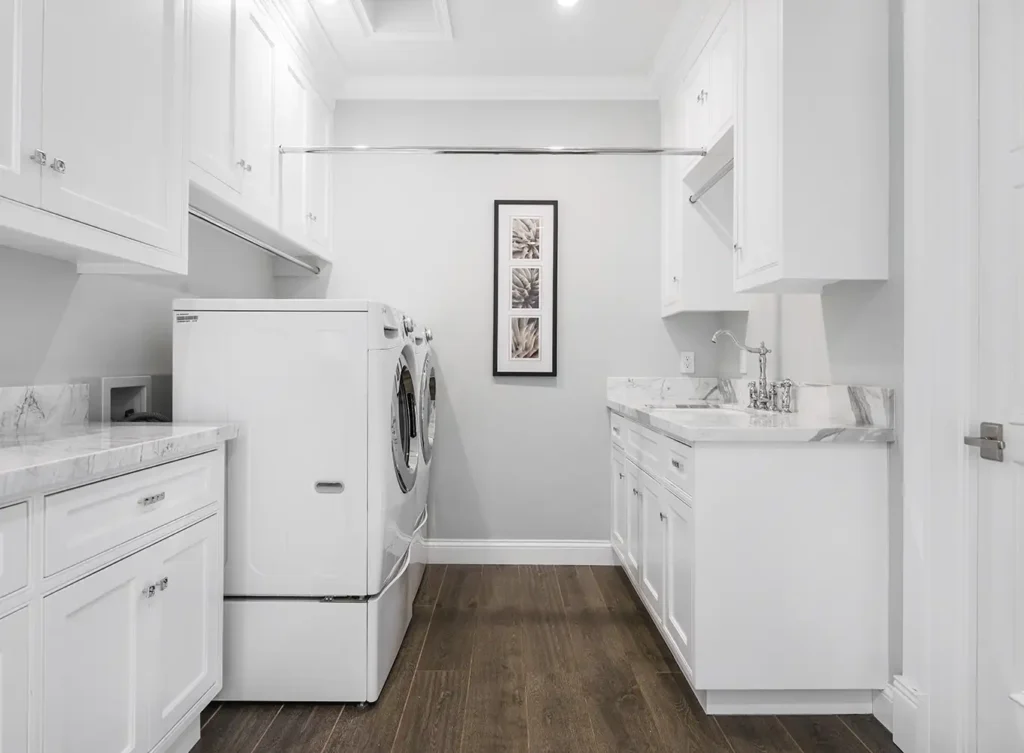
[81, 523]
[675, 461]
[641, 446]
[13, 548]
[618, 430]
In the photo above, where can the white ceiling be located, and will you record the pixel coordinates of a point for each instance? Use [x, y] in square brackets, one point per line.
[609, 40]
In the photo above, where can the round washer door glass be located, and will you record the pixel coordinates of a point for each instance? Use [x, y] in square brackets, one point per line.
[428, 395]
[404, 432]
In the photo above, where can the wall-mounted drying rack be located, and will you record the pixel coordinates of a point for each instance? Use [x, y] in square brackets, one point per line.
[521, 151]
[199, 214]
[712, 181]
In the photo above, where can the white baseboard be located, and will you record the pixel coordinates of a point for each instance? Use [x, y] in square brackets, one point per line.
[518, 552]
[881, 707]
[782, 702]
[905, 716]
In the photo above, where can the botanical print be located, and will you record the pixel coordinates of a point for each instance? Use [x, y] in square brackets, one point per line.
[526, 287]
[524, 341]
[526, 237]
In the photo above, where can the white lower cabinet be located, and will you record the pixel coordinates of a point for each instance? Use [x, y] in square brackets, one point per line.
[679, 572]
[129, 650]
[652, 545]
[14, 684]
[632, 494]
[620, 521]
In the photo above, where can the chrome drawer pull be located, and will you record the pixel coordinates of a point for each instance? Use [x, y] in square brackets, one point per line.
[329, 487]
[162, 584]
[153, 499]
[677, 465]
[149, 591]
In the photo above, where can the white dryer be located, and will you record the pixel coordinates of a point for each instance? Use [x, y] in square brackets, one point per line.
[426, 401]
[322, 504]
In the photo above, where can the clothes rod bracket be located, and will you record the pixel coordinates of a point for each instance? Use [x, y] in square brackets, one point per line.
[712, 181]
[199, 214]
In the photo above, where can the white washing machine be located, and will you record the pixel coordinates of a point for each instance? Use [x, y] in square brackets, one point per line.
[427, 397]
[322, 505]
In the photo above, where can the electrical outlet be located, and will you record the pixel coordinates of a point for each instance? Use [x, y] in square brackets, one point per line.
[686, 362]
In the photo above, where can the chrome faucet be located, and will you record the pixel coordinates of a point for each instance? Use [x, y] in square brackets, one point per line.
[760, 391]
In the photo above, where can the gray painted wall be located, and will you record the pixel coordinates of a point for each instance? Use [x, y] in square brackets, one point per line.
[59, 326]
[516, 458]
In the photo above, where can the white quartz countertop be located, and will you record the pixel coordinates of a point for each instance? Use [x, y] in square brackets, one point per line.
[68, 455]
[732, 423]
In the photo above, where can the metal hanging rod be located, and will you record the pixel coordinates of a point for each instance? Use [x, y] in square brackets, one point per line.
[199, 214]
[547, 151]
[725, 170]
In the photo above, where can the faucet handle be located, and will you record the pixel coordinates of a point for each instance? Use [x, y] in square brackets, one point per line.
[773, 396]
[752, 387]
[785, 396]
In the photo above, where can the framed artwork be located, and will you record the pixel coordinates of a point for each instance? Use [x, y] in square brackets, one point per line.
[525, 288]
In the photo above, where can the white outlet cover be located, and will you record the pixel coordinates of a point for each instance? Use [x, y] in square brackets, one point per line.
[686, 362]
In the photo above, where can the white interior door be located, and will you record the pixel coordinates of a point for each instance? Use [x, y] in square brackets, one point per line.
[188, 607]
[214, 78]
[1000, 378]
[21, 36]
[112, 116]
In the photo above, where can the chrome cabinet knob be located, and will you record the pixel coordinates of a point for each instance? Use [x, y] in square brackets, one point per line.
[58, 166]
[149, 591]
[162, 584]
[663, 516]
[428, 334]
[38, 156]
[408, 324]
[245, 165]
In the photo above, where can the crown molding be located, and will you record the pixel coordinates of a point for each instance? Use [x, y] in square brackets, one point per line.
[498, 88]
[690, 29]
[442, 17]
[309, 40]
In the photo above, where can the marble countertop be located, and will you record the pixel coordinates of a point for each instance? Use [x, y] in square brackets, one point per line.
[72, 454]
[730, 422]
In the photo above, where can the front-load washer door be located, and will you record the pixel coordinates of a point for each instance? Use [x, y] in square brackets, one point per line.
[428, 397]
[405, 443]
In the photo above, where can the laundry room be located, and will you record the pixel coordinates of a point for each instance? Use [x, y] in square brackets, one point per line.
[520, 375]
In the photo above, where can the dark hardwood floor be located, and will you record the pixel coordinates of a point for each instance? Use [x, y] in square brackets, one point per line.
[517, 659]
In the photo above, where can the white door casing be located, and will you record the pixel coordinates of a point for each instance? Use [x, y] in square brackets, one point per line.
[21, 35]
[111, 116]
[1000, 376]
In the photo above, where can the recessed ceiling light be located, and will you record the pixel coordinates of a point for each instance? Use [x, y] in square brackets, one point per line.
[567, 3]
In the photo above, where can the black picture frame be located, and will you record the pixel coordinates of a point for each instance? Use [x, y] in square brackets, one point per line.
[498, 318]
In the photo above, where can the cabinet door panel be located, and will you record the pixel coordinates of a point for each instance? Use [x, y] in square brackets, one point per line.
[695, 112]
[721, 55]
[188, 608]
[318, 172]
[620, 525]
[214, 56]
[679, 589]
[632, 494]
[652, 545]
[256, 89]
[94, 659]
[292, 110]
[14, 682]
[21, 35]
[112, 113]
[758, 178]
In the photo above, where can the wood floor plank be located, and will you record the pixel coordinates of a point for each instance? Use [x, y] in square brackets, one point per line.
[237, 727]
[433, 576]
[435, 714]
[373, 729]
[558, 720]
[206, 714]
[680, 728]
[645, 648]
[821, 734]
[460, 588]
[871, 733]
[501, 587]
[547, 641]
[496, 708]
[619, 713]
[757, 734]
[615, 587]
[579, 588]
[449, 643]
[300, 728]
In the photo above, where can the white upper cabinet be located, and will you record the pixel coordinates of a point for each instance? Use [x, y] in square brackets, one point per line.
[115, 144]
[720, 97]
[215, 122]
[812, 136]
[92, 160]
[251, 94]
[20, 99]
